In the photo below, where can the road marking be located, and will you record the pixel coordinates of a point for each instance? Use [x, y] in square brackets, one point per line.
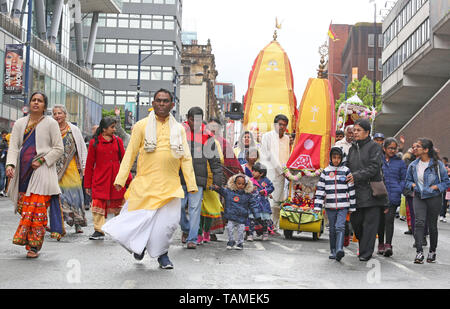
[259, 246]
[129, 284]
[284, 247]
[404, 268]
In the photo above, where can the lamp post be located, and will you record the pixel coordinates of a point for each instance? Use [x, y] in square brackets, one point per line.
[28, 47]
[140, 60]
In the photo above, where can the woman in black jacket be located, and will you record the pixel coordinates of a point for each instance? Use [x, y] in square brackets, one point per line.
[364, 161]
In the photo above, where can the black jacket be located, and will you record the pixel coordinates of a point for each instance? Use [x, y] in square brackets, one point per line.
[364, 161]
[204, 151]
[3, 150]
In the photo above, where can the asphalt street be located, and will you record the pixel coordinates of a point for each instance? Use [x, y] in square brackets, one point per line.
[76, 262]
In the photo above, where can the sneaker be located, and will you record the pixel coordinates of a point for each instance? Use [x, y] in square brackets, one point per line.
[431, 257]
[442, 219]
[419, 258]
[191, 245]
[199, 240]
[164, 262]
[380, 249]
[139, 257]
[265, 237]
[230, 245]
[239, 247]
[339, 255]
[2, 193]
[388, 250]
[97, 236]
[206, 237]
[250, 238]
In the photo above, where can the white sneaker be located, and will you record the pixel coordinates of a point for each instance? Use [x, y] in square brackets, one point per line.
[442, 219]
[250, 238]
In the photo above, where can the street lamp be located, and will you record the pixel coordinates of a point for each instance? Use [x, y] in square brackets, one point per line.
[344, 83]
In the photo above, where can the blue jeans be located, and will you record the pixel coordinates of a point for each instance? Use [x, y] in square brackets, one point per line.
[191, 225]
[336, 219]
[2, 176]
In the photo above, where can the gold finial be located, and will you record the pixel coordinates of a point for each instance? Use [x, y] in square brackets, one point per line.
[323, 51]
[277, 26]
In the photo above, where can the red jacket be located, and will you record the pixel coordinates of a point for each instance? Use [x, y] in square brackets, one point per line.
[102, 166]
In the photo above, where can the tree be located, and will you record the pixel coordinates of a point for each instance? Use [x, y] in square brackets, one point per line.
[364, 89]
[112, 114]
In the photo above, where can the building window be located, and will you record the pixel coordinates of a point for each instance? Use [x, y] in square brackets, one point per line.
[370, 64]
[371, 40]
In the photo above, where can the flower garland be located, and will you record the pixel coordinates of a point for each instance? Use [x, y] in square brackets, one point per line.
[302, 173]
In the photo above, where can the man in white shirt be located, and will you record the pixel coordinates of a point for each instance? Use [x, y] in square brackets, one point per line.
[275, 152]
[346, 142]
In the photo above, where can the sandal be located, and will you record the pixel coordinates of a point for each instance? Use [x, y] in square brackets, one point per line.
[32, 254]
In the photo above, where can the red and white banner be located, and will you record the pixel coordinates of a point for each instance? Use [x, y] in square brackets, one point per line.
[307, 153]
[13, 74]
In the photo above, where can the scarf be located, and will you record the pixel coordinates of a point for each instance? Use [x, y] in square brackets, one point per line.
[176, 142]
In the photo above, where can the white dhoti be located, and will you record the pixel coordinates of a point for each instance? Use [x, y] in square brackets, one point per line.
[151, 229]
[278, 196]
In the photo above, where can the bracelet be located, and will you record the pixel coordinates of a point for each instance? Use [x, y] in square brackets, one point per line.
[40, 161]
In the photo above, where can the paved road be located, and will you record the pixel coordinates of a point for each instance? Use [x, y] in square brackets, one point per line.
[76, 262]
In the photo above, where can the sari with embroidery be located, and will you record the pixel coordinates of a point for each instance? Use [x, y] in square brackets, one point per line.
[68, 169]
[33, 208]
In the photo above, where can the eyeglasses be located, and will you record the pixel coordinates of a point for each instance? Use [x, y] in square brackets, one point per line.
[162, 101]
[392, 148]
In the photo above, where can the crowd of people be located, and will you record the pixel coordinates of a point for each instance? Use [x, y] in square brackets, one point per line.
[167, 175]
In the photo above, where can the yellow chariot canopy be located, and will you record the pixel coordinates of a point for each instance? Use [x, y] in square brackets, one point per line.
[270, 91]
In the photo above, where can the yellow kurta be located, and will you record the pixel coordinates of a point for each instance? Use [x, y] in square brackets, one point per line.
[157, 181]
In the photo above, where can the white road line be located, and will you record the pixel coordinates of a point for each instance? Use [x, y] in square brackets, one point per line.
[284, 247]
[129, 284]
[259, 246]
[404, 268]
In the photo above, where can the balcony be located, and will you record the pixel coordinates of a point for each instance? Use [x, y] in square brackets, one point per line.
[101, 6]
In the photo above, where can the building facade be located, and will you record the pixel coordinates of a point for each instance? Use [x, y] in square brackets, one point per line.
[358, 52]
[335, 49]
[150, 26]
[50, 69]
[199, 81]
[416, 71]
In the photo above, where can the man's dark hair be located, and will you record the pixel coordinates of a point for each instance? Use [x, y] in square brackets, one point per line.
[443, 158]
[4, 132]
[340, 132]
[164, 91]
[364, 123]
[195, 111]
[281, 117]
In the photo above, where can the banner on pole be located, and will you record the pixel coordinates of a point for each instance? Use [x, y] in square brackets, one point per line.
[13, 74]
[130, 114]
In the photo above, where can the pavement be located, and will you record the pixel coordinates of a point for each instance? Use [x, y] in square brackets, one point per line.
[76, 262]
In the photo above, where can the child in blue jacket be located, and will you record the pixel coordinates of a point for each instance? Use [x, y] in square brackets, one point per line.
[263, 187]
[239, 203]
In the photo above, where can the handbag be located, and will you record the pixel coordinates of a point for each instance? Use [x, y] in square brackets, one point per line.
[378, 187]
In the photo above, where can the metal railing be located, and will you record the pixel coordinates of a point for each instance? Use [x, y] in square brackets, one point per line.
[43, 47]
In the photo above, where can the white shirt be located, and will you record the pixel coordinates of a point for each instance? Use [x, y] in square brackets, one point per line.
[344, 145]
[421, 167]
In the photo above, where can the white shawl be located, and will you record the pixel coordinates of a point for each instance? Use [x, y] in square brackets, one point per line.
[176, 141]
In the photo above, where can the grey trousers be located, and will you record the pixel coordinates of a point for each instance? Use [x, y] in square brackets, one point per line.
[231, 226]
[427, 210]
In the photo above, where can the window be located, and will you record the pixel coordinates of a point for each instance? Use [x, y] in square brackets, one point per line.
[371, 40]
[370, 64]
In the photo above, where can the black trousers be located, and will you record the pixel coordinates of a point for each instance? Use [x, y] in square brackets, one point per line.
[386, 225]
[365, 223]
[427, 210]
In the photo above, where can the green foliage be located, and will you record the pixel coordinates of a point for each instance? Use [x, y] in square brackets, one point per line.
[112, 114]
[364, 89]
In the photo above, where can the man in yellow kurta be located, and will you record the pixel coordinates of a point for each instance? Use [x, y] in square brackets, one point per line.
[151, 213]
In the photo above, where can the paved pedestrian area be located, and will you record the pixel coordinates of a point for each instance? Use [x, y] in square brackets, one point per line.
[77, 262]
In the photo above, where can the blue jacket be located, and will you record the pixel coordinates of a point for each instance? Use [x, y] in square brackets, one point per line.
[238, 203]
[262, 200]
[430, 177]
[394, 172]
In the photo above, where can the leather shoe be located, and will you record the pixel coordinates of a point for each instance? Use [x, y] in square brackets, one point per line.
[364, 259]
[184, 237]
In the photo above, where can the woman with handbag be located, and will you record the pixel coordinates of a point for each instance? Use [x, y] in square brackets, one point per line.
[394, 172]
[105, 154]
[428, 179]
[364, 161]
[34, 148]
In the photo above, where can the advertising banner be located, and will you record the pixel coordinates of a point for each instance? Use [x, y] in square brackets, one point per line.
[13, 75]
[130, 114]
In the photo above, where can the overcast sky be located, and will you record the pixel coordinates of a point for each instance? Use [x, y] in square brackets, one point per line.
[240, 29]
